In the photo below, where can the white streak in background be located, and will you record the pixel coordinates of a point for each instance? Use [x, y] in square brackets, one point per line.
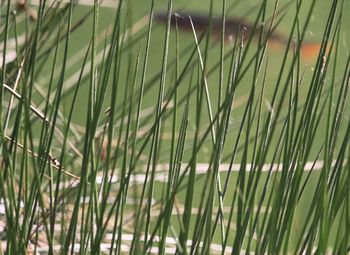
[9, 57]
[171, 244]
[125, 248]
[202, 168]
[103, 3]
[11, 42]
[111, 200]
[2, 206]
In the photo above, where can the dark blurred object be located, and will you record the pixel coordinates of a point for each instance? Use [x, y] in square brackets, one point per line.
[233, 27]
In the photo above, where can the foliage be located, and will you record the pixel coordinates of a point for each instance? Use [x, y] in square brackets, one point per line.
[106, 148]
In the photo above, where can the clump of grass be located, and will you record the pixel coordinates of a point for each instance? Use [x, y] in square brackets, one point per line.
[122, 143]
